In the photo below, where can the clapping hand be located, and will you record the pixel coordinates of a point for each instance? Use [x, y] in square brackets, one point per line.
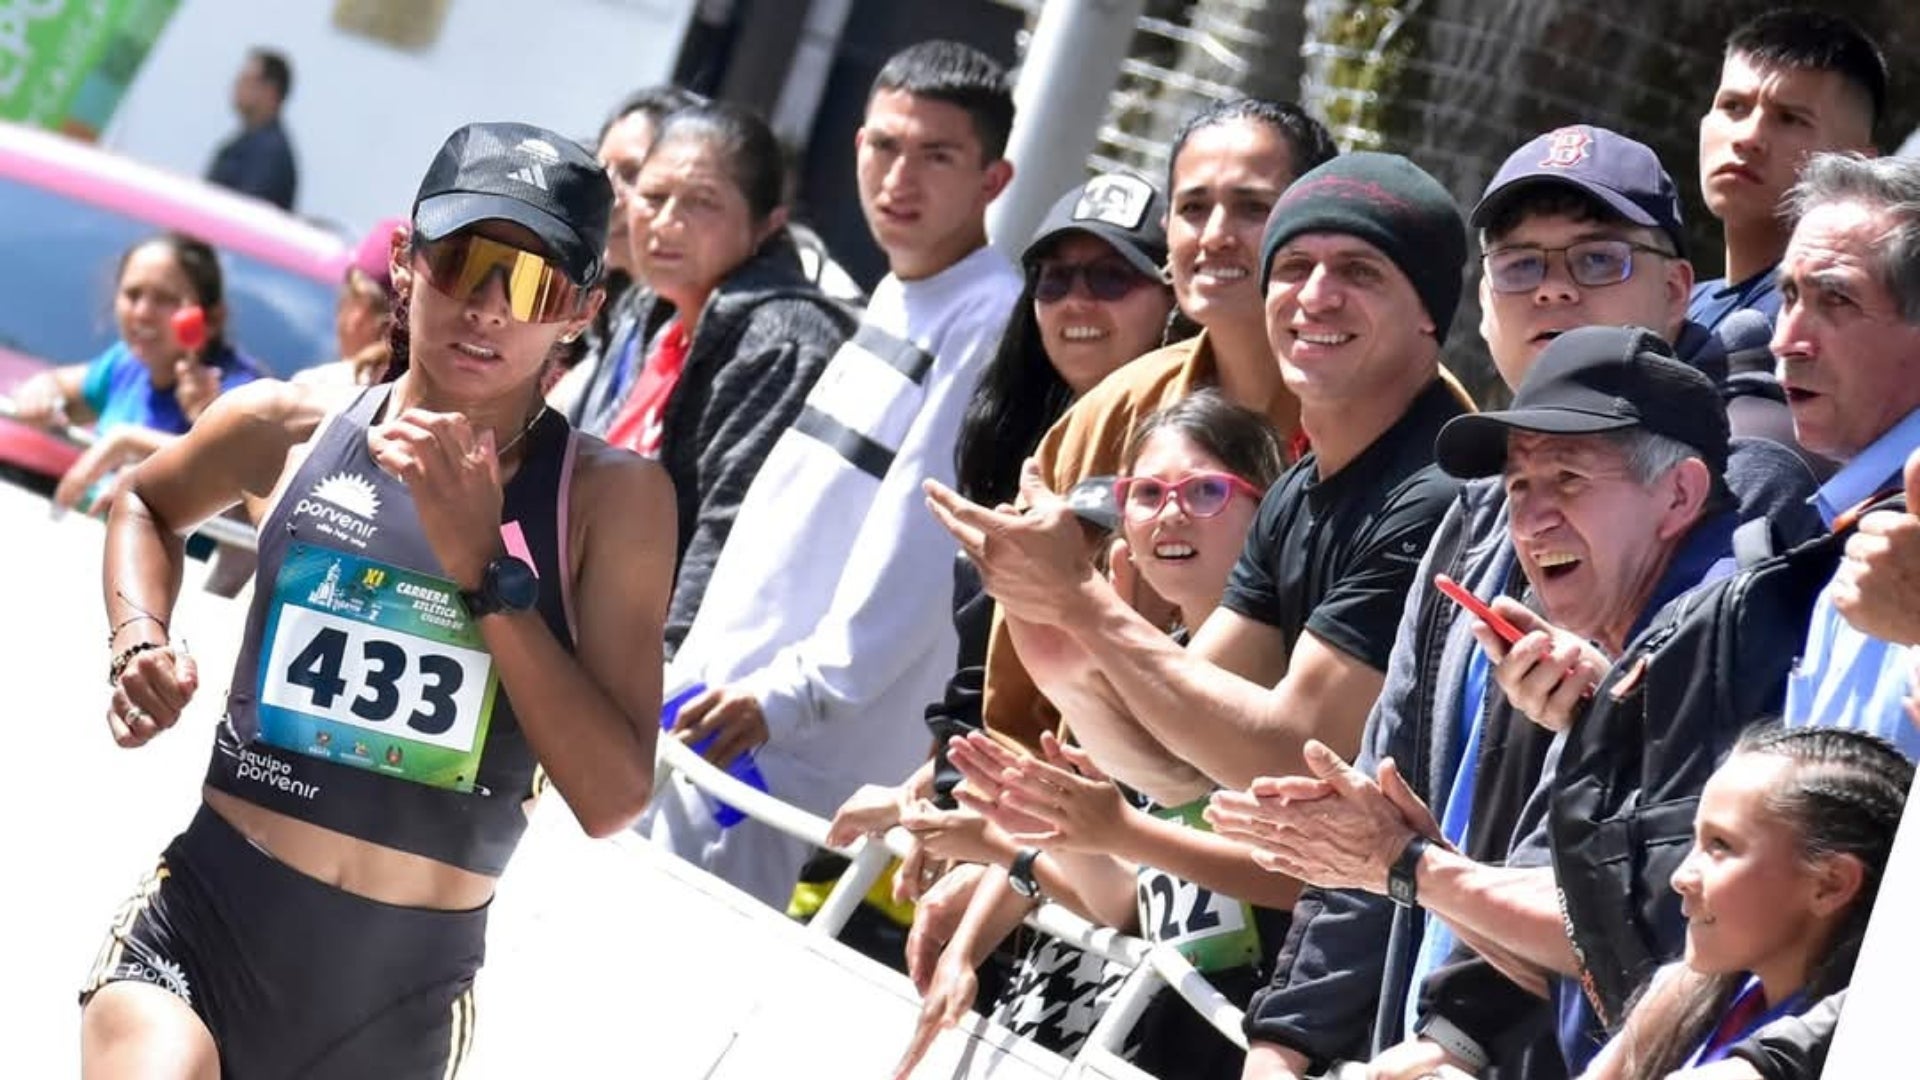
[1337, 828]
[1061, 800]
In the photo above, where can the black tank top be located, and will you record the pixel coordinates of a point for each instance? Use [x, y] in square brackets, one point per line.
[363, 699]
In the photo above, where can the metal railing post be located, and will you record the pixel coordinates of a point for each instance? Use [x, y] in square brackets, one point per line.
[1153, 965]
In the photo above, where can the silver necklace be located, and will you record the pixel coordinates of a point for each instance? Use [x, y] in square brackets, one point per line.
[515, 441]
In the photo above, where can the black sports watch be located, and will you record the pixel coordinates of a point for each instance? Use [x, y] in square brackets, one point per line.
[1402, 888]
[507, 584]
[1020, 874]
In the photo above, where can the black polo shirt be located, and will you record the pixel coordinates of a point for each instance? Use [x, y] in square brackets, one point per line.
[1337, 555]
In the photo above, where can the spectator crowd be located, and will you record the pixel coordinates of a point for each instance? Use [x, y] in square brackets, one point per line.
[1112, 573]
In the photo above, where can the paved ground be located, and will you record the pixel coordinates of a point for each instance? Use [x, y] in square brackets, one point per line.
[604, 960]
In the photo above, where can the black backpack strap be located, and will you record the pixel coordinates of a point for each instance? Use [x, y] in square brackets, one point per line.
[1753, 542]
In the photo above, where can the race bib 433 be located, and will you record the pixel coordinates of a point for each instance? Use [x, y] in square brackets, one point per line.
[374, 666]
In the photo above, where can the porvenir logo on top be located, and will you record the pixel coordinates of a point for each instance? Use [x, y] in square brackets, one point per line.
[344, 505]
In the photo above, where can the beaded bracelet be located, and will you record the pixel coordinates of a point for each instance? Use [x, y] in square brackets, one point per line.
[125, 657]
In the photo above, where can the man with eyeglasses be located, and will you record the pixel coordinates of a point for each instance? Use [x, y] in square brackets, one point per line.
[1580, 227]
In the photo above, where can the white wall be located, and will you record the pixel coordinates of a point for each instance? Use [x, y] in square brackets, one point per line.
[365, 118]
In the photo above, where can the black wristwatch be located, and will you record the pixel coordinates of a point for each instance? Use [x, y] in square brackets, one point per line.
[1020, 874]
[1402, 886]
[507, 584]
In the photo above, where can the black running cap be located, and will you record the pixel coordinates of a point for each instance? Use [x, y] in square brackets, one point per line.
[523, 174]
[1591, 380]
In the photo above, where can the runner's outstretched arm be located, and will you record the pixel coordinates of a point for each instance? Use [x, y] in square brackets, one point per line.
[233, 454]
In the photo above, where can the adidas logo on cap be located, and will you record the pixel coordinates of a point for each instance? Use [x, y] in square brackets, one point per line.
[533, 173]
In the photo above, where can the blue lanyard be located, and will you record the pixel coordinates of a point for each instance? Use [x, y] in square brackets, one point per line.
[1720, 1040]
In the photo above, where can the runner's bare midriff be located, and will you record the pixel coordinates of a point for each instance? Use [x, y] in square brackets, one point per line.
[353, 865]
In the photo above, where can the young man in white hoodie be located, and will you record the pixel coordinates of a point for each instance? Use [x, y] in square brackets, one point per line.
[826, 626]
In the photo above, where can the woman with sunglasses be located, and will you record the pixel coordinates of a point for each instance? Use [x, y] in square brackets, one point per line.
[1095, 299]
[1194, 477]
[733, 332]
[458, 601]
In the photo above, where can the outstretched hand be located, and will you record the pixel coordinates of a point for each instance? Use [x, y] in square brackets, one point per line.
[1036, 563]
[869, 811]
[1336, 828]
[944, 1003]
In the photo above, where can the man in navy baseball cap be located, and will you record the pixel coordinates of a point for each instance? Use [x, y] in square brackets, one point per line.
[1580, 226]
[1623, 174]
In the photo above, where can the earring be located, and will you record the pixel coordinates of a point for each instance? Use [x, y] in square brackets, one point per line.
[570, 338]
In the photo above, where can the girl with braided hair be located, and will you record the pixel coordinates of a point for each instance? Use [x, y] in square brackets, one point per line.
[1790, 841]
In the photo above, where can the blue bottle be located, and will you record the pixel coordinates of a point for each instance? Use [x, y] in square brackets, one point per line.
[742, 768]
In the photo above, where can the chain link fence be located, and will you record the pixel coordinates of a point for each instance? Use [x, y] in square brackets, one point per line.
[1456, 85]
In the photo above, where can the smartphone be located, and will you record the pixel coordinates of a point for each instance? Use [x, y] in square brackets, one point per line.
[1472, 603]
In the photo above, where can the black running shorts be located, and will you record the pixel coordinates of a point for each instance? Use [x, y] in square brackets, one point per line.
[292, 976]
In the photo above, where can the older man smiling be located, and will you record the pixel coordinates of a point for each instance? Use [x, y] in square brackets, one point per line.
[1612, 459]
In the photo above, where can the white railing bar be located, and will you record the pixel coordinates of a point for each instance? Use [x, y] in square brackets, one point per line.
[1199, 993]
[869, 860]
[844, 899]
[73, 433]
[221, 530]
[1110, 1032]
[743, 797]
[1164, 963]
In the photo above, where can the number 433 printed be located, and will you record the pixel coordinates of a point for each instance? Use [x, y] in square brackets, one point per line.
[374, 684]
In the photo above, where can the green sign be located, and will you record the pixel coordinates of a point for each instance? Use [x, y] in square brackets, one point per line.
[64, 64]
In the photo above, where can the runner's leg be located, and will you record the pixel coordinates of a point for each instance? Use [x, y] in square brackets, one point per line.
[134, 1029]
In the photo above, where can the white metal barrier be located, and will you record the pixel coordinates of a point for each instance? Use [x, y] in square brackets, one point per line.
[227, 531]
[1152, 964]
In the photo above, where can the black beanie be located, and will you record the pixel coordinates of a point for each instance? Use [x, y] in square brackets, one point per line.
[1390, 203]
